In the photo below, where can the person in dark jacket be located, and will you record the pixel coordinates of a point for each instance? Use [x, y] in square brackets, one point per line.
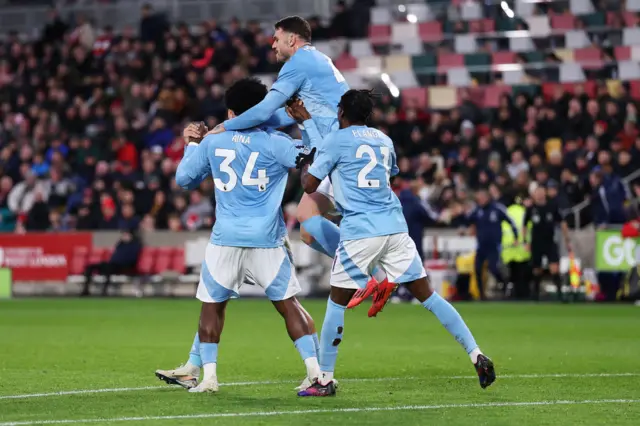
[123, 260]
[487, 220]
[416, 213]
[609, 196]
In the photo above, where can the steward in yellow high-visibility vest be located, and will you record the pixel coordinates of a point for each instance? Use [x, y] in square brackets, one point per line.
[514, 253]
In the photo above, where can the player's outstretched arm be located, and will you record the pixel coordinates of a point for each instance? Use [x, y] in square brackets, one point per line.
[259, 114]
[279, 119]
[194, 166]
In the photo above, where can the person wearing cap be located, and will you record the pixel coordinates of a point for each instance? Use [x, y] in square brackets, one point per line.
[544, 217]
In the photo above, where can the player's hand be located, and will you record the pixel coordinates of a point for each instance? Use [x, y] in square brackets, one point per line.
[194, 132]
[297, 111]
[218, 129]
[305, 158]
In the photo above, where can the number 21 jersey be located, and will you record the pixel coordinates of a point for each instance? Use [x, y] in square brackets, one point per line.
[360, 160]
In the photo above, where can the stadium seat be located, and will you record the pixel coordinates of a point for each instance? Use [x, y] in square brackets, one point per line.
[470, 10]
[380, 15]
[465, 43]
[521, 44]
[449, 60]
[415, 97]
[633, 5]
[77, 265]
[370, 66]
[146, 261]
[565, 21]
[593, 20]
[346, 62]
[576, 39]
[631, 36]
[589, 58]
[539, 25]
[565, 55]
[503, 58]
[635, 89]
[482, 26]
[96, 255]
[163, 261]
[394, 63]
[493, 93]
[421, 11]
[360, 48]
[412, 46]
[401, 31]
[524, 8]
[570, 73]
[581, 7]
[430, 31]
[628, 70]
[442, 97]
[404, 79]
[178, 261]
[477, 59]
[106, 256]
[622, 53]
[458, 77]
[513, 76]
[379, 34]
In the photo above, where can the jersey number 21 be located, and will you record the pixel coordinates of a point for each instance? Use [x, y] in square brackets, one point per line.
[367, 150]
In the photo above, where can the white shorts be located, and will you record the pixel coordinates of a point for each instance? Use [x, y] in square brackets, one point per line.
[225, 269]
[326, 188]
[396, 254]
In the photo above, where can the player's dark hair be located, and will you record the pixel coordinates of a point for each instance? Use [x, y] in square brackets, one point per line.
[357, 105]
[244, 94]
[295, 25]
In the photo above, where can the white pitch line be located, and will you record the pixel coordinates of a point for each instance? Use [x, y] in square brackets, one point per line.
[365, 379]
[324, 411]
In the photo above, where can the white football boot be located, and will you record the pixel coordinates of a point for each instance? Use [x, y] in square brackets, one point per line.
[207, 385]
[185, 376]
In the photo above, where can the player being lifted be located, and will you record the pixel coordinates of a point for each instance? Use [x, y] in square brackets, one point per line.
[311, 76]
[248, 242]
[360, 161]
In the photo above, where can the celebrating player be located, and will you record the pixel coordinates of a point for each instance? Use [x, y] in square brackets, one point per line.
[248, 242]
[311, 76]
[360, 161]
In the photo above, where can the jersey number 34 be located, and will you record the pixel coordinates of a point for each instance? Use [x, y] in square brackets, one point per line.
[228, 156]
[363, 180]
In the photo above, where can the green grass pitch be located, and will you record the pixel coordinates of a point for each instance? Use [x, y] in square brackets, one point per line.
[557, 365]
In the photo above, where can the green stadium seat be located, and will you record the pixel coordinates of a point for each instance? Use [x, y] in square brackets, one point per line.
[477, 59]
[596, 19]
[424, 64]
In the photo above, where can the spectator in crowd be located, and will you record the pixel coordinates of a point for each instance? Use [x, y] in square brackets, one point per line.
[123, 261]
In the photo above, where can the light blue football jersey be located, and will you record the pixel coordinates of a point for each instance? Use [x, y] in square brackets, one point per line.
[360, 160]
[311, 76]
[250, 170]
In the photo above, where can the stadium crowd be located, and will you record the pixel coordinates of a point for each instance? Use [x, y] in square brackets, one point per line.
[91, 125]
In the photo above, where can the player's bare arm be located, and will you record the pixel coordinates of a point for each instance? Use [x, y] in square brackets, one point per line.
[310, 183]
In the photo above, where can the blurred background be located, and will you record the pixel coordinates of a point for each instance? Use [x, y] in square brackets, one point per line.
[504, 95]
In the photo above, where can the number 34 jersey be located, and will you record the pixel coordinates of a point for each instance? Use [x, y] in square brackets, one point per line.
[360, 161]
[250, 170]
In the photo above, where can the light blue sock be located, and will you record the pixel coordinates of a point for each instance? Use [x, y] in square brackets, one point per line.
[325, 233]
[194, 354]
[378, 274]
[209, 352]
[316, 343]
[331, 335]
[306, 347]
[452, 321]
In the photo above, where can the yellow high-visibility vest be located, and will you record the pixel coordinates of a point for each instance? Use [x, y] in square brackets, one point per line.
[511, 252]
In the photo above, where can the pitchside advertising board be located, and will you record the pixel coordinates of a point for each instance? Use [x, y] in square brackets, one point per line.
[614, 253]
[40, 257]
